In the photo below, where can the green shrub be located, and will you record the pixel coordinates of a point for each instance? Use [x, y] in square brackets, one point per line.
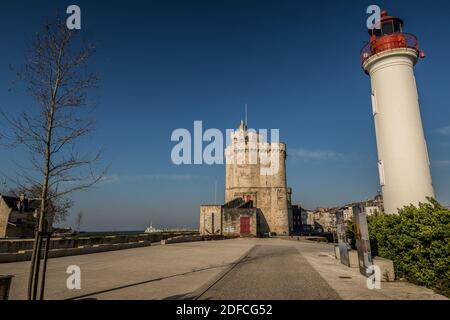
[418, 241]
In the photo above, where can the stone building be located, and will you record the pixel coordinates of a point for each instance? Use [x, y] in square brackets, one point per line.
[17, 216]
[235, 218]
[326, 218]
[257, 198]
[329, 217]
[302, 219]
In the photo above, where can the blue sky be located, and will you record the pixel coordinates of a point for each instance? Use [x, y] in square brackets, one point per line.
[165, 64]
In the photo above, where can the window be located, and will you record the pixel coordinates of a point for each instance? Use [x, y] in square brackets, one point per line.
[381, 173]
[374, 103]
[376, 32]
[387, 28]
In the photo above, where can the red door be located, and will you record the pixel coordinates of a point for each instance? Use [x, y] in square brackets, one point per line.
[245, 225]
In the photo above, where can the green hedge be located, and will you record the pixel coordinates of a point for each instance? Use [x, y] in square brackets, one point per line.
[418, 241]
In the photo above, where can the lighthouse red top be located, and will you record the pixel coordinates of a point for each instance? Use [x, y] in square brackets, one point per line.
[389, 25]
[388, 35]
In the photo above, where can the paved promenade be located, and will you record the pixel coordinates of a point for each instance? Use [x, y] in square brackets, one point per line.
[231, 269]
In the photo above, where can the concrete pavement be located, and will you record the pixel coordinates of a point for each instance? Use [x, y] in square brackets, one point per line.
[237, 269]
[156, 272]
[270, 272]
[349, 282]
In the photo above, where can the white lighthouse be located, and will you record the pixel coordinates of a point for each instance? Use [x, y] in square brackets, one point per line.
[404, 168]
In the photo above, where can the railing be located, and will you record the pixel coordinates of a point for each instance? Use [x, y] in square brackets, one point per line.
[389, 42]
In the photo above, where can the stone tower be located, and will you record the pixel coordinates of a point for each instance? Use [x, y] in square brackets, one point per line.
[255, 170]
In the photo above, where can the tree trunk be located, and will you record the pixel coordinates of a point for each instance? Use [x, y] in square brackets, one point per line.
[34, 281]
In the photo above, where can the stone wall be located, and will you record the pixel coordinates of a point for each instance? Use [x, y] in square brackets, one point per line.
[4, 216]
[210, 220]
[231, 226]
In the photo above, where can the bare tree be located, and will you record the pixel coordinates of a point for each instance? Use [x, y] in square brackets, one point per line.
[56, 77]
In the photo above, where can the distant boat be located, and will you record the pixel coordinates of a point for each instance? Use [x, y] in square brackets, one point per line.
[152, 229]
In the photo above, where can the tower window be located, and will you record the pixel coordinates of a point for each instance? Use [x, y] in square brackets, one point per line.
[376, 32]
[381, 173]
[374, 103]
[387, 28]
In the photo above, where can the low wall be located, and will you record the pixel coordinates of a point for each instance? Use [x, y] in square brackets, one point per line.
[16, 245]
[179, 239]
[12, 250]
[57, 253]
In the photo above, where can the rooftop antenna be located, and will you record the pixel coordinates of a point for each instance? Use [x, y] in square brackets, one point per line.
[246, 120]
[3, 189]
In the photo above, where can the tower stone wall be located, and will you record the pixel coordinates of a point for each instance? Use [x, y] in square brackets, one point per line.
[255, 170]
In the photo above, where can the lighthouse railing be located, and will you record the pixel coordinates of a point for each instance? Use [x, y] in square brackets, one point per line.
[389, 42]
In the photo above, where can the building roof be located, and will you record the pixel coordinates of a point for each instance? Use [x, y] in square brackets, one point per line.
[238, 203]
[30, 205]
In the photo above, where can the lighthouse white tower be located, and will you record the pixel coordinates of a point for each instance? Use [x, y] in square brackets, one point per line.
[404, 168]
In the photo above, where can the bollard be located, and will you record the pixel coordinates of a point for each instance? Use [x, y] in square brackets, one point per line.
[5, 285]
